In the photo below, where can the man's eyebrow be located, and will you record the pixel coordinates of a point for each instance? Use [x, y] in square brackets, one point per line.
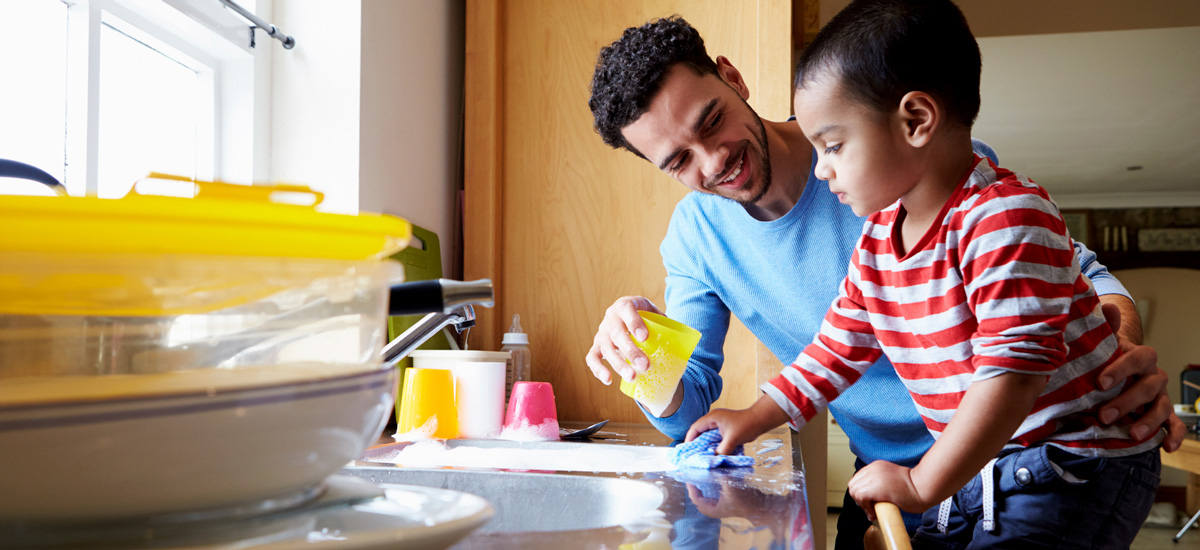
[695, 128]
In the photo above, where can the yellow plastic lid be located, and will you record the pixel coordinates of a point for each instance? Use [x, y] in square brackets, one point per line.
[222, 219]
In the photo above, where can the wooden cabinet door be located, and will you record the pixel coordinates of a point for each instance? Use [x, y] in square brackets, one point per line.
[560, 222]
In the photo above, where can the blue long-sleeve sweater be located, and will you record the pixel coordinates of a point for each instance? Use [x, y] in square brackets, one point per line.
[779, 278]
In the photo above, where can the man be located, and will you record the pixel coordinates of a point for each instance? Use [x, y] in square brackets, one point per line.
[763, 239]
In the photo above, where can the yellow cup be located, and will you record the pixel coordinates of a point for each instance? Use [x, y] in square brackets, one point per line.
[668, 345]
[427, 407]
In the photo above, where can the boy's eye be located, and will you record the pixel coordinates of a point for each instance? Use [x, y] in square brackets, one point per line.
[832, 149]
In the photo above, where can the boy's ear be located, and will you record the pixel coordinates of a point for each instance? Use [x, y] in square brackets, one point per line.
[732, 76]
[920, 116]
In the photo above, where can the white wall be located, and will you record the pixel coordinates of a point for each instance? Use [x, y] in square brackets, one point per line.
[367, 107]
[315, 99]
[412, 83]
[1171, 298]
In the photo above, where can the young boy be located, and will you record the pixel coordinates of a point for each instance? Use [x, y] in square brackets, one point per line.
[964, 277]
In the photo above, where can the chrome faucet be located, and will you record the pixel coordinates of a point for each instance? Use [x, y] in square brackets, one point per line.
[457, 301]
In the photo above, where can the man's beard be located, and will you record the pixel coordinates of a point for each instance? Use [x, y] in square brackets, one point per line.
[765, 161]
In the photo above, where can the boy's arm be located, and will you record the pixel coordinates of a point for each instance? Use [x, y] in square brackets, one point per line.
[843, 349]
[986, 418]
[841, 352]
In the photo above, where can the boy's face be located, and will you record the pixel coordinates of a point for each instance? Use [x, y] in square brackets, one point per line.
[859, 150]
[700, 131]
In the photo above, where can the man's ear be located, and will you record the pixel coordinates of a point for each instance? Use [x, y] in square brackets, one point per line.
[920, 116]
[732, 76]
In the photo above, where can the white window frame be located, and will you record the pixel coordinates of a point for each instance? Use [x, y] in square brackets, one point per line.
[202, 35]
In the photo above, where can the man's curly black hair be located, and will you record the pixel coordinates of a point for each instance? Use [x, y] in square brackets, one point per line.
[630, 71]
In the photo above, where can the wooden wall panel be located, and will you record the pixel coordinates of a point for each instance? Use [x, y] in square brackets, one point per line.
[565, 224]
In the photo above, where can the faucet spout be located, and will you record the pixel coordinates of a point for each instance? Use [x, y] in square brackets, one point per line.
[456, 308]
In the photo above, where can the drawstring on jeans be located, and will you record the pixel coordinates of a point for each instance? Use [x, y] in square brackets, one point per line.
[989, 497]
[944, 515]
[989, 502]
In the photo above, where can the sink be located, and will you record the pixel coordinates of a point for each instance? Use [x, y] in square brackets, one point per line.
[548, 497]
[531, 502]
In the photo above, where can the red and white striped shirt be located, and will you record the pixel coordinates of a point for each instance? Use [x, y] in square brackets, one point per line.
[995, 288]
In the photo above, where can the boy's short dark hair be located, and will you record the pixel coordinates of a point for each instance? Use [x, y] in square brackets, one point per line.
[883, 49]
[630, 71]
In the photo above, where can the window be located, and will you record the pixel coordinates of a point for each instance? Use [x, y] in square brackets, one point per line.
[101, 92]
[33, 58]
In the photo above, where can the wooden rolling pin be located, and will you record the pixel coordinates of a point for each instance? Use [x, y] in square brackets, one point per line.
[888, 533]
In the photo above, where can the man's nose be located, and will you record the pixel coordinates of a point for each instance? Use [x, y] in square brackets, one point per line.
[714, 159]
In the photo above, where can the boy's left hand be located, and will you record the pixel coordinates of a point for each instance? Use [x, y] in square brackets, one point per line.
[882, 481]
[739, 427]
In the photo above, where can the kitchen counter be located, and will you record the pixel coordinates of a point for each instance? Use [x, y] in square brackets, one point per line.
[729, 508]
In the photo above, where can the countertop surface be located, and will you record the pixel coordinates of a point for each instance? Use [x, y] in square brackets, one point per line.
[763, 507]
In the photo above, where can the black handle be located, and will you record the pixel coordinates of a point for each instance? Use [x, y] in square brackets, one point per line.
[441, 295]
[415, 298]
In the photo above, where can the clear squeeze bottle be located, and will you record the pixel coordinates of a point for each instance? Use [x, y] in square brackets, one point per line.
[516, 343]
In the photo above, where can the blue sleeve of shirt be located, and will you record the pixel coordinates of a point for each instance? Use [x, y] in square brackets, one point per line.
[1102, 280]
[695, 304]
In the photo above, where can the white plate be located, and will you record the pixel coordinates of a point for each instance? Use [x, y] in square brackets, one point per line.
[350, 515]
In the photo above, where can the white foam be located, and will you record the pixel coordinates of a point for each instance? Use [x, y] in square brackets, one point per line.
[524, 431]
[769, 445]
[577, 457]
[422, 433]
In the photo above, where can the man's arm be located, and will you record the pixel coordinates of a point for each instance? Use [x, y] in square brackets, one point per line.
[691, 300]
[1146, 384]
[1130, 329]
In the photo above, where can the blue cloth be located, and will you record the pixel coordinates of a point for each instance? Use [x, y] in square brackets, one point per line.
[702, 453]
[778, 277]
[1036, 507]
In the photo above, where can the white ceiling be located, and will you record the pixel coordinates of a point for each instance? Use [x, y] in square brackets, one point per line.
[1074, 111]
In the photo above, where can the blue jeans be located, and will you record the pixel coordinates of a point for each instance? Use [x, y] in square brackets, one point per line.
[1035, 507]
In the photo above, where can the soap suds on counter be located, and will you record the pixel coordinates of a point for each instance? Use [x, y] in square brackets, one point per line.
[769, 445]
[568, 457]
[421, 433]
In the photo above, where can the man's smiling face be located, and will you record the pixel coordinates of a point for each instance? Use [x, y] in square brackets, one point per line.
[701, 131]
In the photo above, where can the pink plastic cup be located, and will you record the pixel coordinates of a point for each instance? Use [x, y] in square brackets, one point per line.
[531, 414]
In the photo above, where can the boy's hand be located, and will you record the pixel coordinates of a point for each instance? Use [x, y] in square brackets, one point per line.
[1146, 387]
[882, 481]
[739, 427]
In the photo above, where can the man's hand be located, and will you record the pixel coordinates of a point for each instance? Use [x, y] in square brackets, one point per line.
[739, 427]
[613, 344]
[882, 481]
[1146, 385]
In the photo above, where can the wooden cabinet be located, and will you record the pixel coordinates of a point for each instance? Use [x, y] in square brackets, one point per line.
[560, 222]
[563, 224]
